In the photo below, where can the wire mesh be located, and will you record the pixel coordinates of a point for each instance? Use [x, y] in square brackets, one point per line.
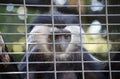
[90, 29]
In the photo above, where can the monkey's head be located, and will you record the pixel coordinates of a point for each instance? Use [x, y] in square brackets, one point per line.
[59, 39]
[49, 39]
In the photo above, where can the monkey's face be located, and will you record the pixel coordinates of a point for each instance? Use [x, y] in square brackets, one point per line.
[51, 39]
[59, 40]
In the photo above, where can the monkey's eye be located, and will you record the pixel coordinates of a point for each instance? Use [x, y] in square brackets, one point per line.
[57, 36]
[67, 36]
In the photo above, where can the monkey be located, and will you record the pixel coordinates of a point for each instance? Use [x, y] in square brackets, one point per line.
[75, 10]
[7, 58]
[58, 43]
[41, 67]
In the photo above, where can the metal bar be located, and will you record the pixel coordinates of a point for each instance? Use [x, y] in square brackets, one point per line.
[80, 15]
[54, 48]
[26, 43]
[108, 44]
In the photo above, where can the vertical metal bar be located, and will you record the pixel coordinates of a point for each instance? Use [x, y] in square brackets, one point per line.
[80, 23]
[108, 43]
[54, 49]
[26, 42]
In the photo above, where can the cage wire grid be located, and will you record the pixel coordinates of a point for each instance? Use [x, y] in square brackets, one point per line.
[26, 44]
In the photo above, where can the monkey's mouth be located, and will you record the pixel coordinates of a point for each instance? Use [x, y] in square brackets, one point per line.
[58, 47]
[61, 47]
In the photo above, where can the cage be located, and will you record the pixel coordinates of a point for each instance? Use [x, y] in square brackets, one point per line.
[59, 39]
